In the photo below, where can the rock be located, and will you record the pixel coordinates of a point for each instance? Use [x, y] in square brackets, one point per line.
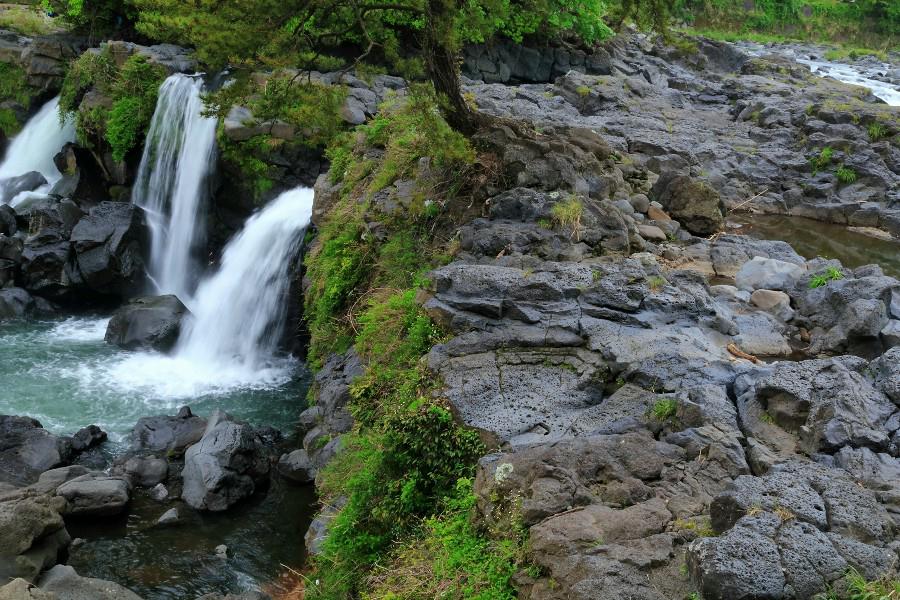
[170, 517]
[28, 182]
[87, 438]
[297, 467]
[27, 450]
[66, 584]
[146, 472]
[8, 226]
[32, 535]
[19, 589]
[693, 203]
[167, 434]
[827, 403]
[890, 335]
[777, 303]
[640, 203]
[108, 246]
[886, 373]
[150, 322]
[159, 493]
[769, 274]
[222, 551]
[95, 495]
[657, 214]
[652, 233]
[227, 465]
[15, 303]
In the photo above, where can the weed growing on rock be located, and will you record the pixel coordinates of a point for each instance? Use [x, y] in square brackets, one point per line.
[845, 174]
[830, 274]
[664, 409]
[822, 160]
[656, 282]
[567, 215]
[876, 131]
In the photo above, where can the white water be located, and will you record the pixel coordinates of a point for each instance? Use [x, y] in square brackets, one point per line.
[35, 146]
[171, 183]
[238, 315]
[855, 75]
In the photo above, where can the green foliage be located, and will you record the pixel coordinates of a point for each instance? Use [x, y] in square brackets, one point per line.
[14, 84]
[876, 131]
[248, 158]
[450, 558]
[857, 588]
[830, 274]
[9, 124]
[95, 18]
[845, 174]
[822, 159]
[567, 215]
[131, 91]
[664, 409]
[27, 20]
[656, 282]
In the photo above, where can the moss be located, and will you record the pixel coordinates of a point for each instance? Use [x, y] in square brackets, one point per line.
[13, 88]
[249, 159]
[9, 123]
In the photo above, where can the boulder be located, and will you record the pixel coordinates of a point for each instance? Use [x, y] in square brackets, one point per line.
[146, 472]
[27, 450]
[151, 322]
[777, 303]
[227, 465]
[167, 434]
[95, 495]
[20, 589]
[169, 518]
[297, 467]
[88, 437]
[32, 535]
[108, 248]
[8, 225]
[15, 303]
[28, 182]
[693, 203]
[768, 274]
[66, 584]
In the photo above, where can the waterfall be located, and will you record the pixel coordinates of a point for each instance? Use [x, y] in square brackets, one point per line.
[35, 146]
[171, 183]
[239, 313]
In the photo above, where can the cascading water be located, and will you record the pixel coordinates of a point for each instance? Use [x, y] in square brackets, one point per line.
[239, 313]
[35, 146]
[171, 183]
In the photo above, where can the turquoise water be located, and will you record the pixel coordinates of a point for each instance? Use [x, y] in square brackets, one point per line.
[62, 373]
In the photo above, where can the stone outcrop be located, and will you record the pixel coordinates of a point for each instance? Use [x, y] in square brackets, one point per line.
[148, 322]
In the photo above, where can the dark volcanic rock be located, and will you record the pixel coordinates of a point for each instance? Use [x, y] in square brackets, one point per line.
[27, 450]
[149, 322]
[167, 434]
[227, 465]
[695, 204]
[108, 245]
[22, 183]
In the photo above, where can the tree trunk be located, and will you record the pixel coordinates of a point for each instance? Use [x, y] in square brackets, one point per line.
[443, 69]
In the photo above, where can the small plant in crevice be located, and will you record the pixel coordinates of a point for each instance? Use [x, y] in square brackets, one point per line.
[846, 174]
[876, 131]
[830, 274]
[664, 409]
[656, 282]
[822, 159]
[567, 214]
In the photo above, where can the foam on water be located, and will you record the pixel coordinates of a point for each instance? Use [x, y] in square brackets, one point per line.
[856, 76]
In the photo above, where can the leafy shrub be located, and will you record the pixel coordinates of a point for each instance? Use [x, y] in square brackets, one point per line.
[845, 174]
[14, 84]
[831, 274]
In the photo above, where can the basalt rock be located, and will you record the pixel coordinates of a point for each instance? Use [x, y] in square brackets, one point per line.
[696, 205]
[170, 434]
[27, 450]
[148, 322]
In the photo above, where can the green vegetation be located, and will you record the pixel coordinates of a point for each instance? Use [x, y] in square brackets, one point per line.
[27, 20]
[567, 214]
[876, 131]
[656, 282]
[857, 588]
[13, 88]
[664, 409]
[874, 24]
[97, 19]
[830, 274]
[451, 557]
[822, 160]
[852, 53]
[120, 115]
[845, 174]
[701, 526]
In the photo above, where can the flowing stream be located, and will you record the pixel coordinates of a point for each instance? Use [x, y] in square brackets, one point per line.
[171, 183]
[33, 149]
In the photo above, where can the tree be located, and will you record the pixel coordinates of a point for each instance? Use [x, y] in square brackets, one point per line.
[94, 18]
[350, 33]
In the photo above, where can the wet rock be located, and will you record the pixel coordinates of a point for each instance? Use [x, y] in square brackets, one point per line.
[22, 183]
[148, 322]
[159, 493]
[168, 518]
[767, 273]
[87, 438]
[108, 248]
[228, 464]
[146, 472]
[15, 303]
[66, 584]
[696, 205]
[95, 495]
[167, 434]
[297, 467]
[8, 225]
[27, 450]
[222, 551]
